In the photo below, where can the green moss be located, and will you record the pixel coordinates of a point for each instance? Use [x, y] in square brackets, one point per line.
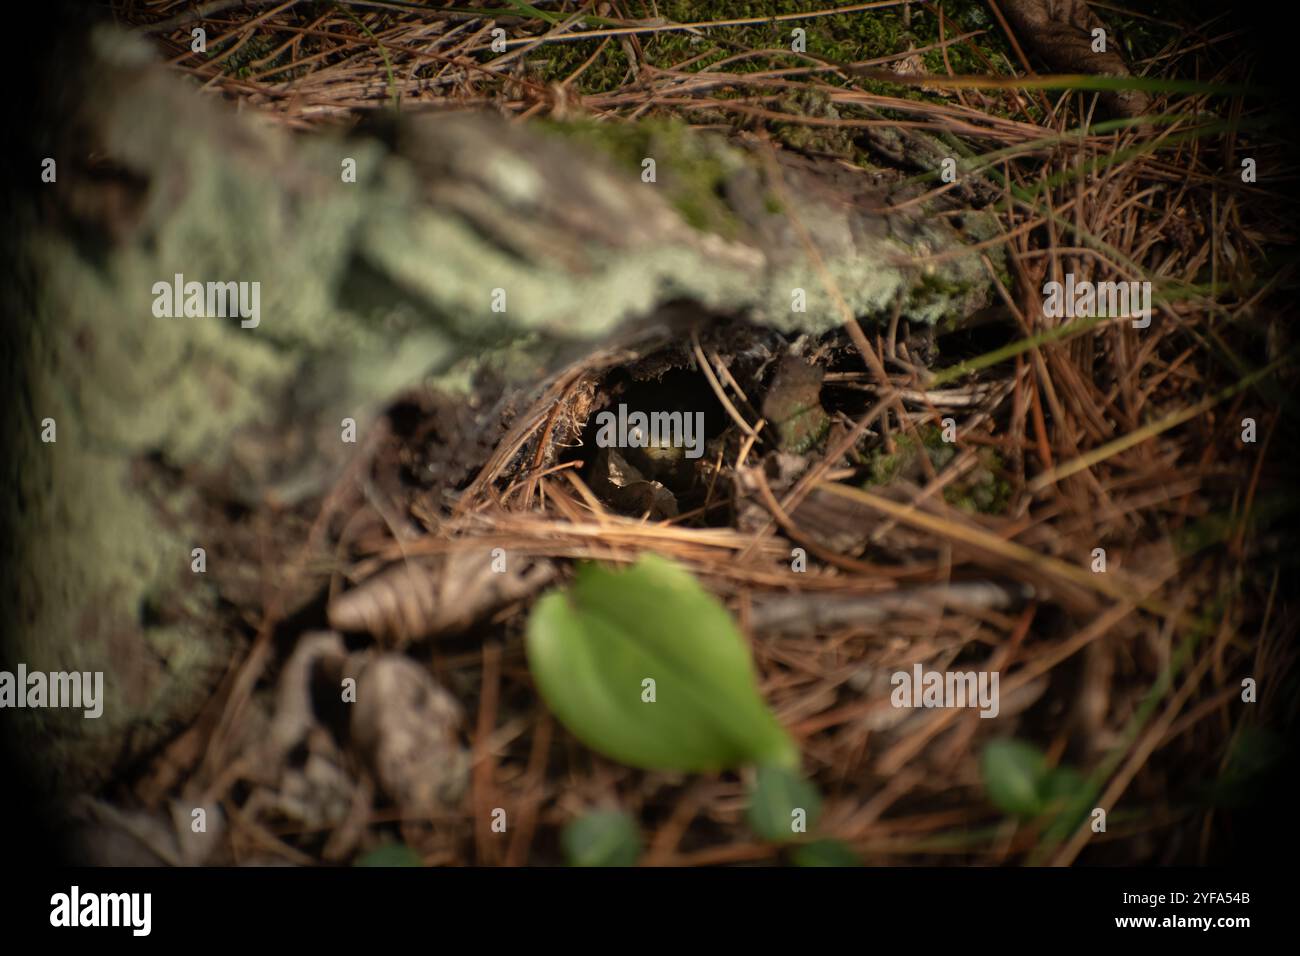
[691, 168]
[981, 489]
[243, 63]
[883, 467]
[557, 62]
[856, 37]
[933, 289]
[840, 38]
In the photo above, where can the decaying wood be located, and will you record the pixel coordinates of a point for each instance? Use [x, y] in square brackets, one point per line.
[1061, 32]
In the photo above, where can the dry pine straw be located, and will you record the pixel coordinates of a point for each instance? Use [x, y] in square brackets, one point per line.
[1116, 437]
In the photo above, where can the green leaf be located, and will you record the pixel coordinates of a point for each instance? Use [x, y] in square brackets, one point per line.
[780, 798]
[591, 647]
[1061, 786]
[1069, 798]
[391, 854]
[1014, 773]
[824, 853]
[602, 838]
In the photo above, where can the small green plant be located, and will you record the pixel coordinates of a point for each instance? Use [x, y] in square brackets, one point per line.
[602, 838]
[782, 805]
[648, 668]
[1019, 782]
[390, 854]
[824, 853]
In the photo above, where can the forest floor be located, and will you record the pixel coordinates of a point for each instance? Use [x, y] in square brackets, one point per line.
[1092, 507]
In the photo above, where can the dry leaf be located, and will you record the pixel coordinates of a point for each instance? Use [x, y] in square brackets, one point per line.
[404, 725]
[446, 595]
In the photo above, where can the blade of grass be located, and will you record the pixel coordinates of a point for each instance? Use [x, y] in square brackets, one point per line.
[388, 64]
[1151, 429]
